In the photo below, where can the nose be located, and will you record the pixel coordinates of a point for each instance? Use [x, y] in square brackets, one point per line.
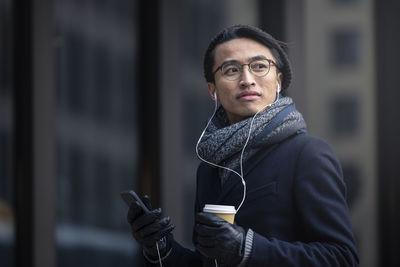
[247, 79]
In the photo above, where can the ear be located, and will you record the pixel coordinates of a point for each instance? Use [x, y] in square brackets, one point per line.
[279, 80]
[211, 90]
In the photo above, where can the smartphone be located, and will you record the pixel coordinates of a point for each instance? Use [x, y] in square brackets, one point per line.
[130, 196]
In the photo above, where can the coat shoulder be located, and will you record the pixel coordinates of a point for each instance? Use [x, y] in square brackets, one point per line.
[305, 143]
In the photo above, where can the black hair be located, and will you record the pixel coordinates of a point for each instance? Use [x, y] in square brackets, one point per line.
[276, 47]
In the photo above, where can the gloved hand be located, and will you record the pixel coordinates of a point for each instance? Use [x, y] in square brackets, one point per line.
[218, 239]
[150, 227]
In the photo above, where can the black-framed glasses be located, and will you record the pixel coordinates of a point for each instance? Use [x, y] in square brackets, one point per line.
[232, 70]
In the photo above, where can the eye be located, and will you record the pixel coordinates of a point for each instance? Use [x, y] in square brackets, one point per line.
[259, 66]
[231, 69]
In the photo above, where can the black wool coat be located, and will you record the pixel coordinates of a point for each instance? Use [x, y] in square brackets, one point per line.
[295, 204]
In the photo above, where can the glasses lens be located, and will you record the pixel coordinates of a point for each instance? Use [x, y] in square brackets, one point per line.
[259, 67]
[231, 71]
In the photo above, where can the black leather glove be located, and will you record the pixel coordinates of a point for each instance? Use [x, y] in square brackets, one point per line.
[150, 227]
[218, 239]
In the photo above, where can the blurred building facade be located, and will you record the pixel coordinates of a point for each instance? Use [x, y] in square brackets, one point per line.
[99, 96]
[340, 96]
[96, 129]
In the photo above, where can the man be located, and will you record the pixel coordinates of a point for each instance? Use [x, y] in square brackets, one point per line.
[294, 211]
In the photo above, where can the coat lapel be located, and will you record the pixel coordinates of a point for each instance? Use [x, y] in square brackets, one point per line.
[232, 191]
[210, 187]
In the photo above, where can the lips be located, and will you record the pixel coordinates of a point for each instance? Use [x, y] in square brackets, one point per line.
[248, 95]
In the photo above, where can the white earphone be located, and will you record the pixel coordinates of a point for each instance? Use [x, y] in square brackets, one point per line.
[215, 95]
[278, 89]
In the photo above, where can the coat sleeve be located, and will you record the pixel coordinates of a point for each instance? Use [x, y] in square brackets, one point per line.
[319, 196]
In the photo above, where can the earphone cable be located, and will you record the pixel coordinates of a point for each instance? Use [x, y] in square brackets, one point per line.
[242, 152]
[241, 155]
[158, 252]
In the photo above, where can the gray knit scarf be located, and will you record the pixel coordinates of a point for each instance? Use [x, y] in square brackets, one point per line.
[222, 143]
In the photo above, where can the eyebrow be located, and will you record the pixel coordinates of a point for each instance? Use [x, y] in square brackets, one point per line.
[259, 57]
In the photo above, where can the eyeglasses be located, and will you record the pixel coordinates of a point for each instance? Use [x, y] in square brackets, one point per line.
[232, 70]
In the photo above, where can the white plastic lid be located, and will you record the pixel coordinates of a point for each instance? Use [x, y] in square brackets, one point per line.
[224, 209]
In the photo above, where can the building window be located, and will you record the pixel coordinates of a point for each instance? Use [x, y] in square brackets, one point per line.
[345, 48]
[344, 115]
[101, 184]
[77, 180]
[101, 81]
[75, 75]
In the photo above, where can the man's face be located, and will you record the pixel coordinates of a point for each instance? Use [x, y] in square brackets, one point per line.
[248, 94]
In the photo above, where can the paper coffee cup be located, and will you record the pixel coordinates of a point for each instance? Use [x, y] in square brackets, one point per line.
[223, 211]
